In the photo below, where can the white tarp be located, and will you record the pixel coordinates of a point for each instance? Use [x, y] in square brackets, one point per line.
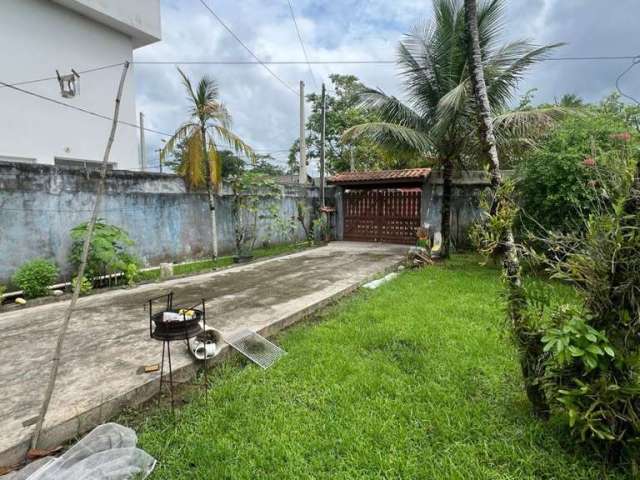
[108, 452]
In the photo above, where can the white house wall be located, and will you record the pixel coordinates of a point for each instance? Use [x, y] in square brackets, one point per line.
[139, 19]
[36, 38]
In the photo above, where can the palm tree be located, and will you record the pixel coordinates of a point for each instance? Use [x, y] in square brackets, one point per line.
[209, 126]
[436, 121]
[529, 346]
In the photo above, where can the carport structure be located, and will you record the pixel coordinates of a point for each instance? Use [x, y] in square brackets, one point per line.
[383, 206]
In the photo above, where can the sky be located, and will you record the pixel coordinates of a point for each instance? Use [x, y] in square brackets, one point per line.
[266, 114]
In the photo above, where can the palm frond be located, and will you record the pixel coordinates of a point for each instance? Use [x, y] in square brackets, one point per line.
[186, 130]
[232, 140]
[390, 135]
[188, 87]
[530, 123]
[192, 167]
[215, 167]
[453, 105]
[216, 111]
[501, 79]
[390, 109]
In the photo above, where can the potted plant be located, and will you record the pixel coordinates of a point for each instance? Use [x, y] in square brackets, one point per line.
[253, 195]
[322, 229]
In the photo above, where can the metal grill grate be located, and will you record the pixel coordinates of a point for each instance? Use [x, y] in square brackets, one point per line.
[255, 347]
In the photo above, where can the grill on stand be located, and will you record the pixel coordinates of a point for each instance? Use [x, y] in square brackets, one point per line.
[173, 323]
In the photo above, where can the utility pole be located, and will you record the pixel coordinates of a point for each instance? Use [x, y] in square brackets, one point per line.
[158, 151]
[143, 153]
[352, 160]
[303, 146]
[322, 139]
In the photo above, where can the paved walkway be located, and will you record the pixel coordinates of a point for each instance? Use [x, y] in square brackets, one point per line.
[108, 339]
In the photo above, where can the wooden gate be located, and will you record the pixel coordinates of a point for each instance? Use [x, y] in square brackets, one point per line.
[382, 215]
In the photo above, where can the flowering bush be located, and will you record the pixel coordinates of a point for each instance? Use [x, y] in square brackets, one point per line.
[580, 167]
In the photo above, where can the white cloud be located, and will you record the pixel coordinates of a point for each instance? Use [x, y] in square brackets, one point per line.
[266, 113]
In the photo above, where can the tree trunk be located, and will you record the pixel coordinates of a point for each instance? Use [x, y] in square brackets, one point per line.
[447, 188]
[214, 225]
[211, 195]
[53, 373]
[528, 343]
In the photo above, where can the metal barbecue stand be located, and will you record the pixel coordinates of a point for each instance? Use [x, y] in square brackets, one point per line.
[168, 332]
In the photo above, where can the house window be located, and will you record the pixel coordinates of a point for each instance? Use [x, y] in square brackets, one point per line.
[81, 163]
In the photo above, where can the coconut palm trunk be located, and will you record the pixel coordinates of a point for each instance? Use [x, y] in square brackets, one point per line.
[445, 221]
[211, 195]
[528, 345]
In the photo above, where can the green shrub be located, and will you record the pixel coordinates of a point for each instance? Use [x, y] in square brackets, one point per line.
[85, 285]
[580, 167]
[131, 273]
[109, 250]
[591, 361]
[3, 289]
[35, 276]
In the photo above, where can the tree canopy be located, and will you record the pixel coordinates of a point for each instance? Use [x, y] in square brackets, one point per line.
[343, 111]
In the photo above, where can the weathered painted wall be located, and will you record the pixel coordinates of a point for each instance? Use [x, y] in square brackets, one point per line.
[467, 189]
[39, 204]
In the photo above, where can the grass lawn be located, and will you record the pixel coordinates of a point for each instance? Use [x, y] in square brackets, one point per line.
[413, 380]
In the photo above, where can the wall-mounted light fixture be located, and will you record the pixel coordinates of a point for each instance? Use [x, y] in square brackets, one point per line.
[69, 84]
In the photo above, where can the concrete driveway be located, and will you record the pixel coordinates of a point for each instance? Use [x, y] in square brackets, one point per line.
[108, 340]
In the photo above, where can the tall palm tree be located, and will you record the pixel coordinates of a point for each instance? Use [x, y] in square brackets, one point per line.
[208, 127]
[436, 120]
[529, 348]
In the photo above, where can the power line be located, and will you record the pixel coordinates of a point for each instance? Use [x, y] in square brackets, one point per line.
[90, 70]
[304, 50]
[247, 48]
[339, 62]
[287, 62]
[635, 61]
[79, 109]
[106, 117]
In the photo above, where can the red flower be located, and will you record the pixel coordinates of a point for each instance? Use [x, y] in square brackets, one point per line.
[589, 162]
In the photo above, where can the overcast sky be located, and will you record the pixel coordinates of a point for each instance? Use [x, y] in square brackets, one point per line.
[265, 113]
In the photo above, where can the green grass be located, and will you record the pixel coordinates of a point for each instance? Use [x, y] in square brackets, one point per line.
[200, 266]
[414, 380]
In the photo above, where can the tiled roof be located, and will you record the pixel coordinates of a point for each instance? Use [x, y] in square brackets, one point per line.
[409, 175]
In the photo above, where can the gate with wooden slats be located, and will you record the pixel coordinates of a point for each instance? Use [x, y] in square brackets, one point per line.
[382, 215]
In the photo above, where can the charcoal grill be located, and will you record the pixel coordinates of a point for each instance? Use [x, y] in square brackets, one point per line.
[170, 331]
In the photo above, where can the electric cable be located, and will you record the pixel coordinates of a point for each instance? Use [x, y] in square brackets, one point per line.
[304, 50]
[232, 33]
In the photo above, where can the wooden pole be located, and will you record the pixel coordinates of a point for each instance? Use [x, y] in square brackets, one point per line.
[303, 145]
[322, 141]
[55, 362]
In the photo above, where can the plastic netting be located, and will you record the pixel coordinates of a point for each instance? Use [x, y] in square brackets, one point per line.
[108, 452]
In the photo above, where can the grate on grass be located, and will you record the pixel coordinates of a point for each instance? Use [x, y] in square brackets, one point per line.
[255, 347]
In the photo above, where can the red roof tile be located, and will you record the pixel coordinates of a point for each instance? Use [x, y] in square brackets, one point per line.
[409, 175]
